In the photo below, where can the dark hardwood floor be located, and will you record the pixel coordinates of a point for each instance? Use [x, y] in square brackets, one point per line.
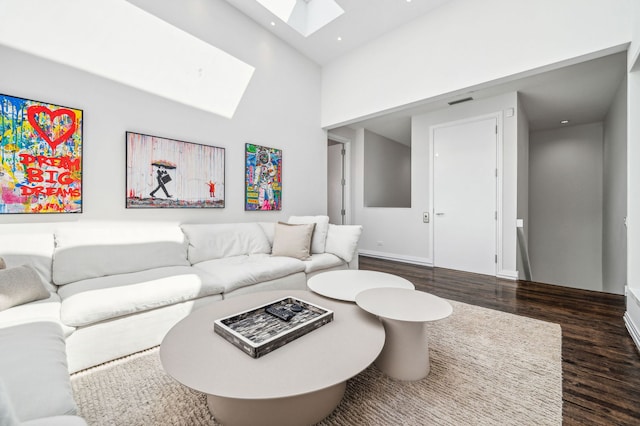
[600, 363]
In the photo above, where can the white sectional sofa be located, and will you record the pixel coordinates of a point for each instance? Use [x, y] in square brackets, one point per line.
[116, 288]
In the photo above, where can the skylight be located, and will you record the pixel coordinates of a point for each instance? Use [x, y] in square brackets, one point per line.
[304, 16]
[141, 50]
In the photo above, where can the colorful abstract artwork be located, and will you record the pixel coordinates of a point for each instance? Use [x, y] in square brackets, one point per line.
[41, 157]
[173, 174]
[263, 178]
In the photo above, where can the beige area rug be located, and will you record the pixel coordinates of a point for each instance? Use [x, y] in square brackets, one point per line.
[487, 368]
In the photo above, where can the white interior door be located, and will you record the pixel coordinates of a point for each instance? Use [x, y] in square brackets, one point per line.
[335, 183]
[464, 196]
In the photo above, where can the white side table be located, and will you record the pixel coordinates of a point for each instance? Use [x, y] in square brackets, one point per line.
[346, 284]
[405, 355]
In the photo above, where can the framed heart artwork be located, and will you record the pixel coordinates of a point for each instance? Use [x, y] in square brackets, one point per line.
[40, 157]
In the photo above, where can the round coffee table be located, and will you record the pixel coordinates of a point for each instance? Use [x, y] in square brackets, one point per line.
[346, 284]
[404, 313]
[299, 383]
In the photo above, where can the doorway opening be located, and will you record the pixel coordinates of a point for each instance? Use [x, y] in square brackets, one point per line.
[338, 194]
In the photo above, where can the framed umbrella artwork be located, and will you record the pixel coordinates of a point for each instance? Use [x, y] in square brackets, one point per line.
[166, 173]
[263, 178]
[40, 157]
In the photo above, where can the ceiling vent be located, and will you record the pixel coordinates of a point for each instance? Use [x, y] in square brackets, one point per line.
[459, 101]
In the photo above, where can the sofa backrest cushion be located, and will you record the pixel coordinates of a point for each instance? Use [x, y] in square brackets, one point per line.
[110, 249]
[342, 240]
[319, 237]
[35, 249]
[215, 241]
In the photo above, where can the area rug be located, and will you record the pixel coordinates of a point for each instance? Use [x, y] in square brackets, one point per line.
[487, 368]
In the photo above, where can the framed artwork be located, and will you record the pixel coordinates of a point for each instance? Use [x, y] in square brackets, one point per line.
[40, 157]
[165, 173]
[263, 178]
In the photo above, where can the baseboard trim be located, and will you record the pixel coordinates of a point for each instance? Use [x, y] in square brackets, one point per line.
[632, 329]
[507, 275]
[397, 257]
[504, 274]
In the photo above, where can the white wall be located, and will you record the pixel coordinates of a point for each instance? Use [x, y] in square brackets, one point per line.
[401, 232]
[523, 178]
[463, 44]
[387, 172]
[281, 109]
[634, 49]
[632, 315]
[614, 208]
[565, 206]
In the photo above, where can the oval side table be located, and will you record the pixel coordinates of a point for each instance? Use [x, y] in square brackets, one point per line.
[346, 284]
[404, 313]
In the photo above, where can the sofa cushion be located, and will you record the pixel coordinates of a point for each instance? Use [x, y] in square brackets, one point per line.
[34, 370]
[319, 233]
[293, 240]
[109, 249]
[7, 414]
[318, 262]
[242, 271]
[97, 299]
[216, 241]
[35, 249]
[41, 310]
[20, 285]
[56, 421]
[342, 240]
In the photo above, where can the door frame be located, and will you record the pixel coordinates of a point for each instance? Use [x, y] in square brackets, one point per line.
[499, 178]
[346, 144]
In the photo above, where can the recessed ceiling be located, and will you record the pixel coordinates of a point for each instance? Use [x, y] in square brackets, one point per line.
[581, 93]
[361, 22]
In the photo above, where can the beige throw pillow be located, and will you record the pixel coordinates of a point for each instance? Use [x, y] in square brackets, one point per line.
[292, 240]
[20, 285]
[319, 237]
[2, 264]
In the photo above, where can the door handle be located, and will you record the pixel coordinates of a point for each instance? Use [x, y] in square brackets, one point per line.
[439, 214]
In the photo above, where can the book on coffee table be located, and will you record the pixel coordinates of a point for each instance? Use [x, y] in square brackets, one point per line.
[264, 328]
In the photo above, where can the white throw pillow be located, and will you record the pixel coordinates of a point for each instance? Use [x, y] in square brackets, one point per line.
[20, 285]
[293, 240]
[319, 238]
[342, 240]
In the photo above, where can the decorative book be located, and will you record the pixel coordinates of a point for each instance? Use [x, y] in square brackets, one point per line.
[265, 328]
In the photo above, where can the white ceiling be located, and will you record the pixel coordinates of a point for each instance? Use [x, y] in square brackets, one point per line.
[581, 93]
[361, 22]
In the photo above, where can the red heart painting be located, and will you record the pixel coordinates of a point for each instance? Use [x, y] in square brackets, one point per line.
[55, 118]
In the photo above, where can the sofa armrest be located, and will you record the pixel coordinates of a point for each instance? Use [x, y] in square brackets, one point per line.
[354, 264]
[34, 371]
